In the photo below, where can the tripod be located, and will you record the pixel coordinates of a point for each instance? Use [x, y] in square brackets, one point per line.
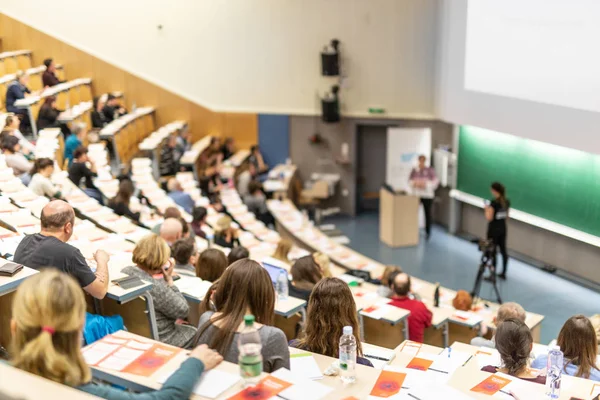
[487, 263]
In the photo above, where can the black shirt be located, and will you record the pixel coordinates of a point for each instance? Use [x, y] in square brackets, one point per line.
[78, 171]
[121, 208]
[98, 119]
[298, 293]
[47, 117]
[38, 251]
[497, 226]
[221, 240]
[111, 112]
[226, 152]
[168, 165]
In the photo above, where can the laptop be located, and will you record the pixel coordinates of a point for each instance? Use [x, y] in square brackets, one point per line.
[273, 271]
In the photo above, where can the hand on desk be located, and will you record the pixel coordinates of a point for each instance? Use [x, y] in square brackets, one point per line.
[209, 358]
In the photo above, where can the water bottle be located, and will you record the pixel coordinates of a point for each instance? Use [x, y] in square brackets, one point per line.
[282, 286]
[554, 368]
[250, 358]
[348, 356]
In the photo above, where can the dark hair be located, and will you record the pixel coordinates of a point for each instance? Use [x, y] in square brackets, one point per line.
[172, 212]
[237, 253]
[254, 186]
[513, 342]
[80, 151]
[254, 148]
[56, 221]
[48, 101]
[499, 188]
[211, 264]
[401, 289]
[577, 339]
[47, 62]
[306, 270]
[9, 143]
[182, 250]
[110, 97]
[41, 164]
[124, 193]
[198, 214]
[184, 225]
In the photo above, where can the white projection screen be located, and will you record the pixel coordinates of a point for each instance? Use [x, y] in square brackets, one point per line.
[538, 50]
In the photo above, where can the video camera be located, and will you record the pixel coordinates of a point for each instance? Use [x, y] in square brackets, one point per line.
[487, 247]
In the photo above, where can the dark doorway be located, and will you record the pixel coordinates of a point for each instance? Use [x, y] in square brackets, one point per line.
[371, 165]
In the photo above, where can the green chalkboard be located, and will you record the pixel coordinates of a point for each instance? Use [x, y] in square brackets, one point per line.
[552, 182]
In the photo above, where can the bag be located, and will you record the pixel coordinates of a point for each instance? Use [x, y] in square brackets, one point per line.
[98, 326]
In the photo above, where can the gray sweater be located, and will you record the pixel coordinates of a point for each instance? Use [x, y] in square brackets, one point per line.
[275, 351]
[169, 306]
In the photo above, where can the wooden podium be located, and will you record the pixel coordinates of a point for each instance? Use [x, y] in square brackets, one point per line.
[398, 219]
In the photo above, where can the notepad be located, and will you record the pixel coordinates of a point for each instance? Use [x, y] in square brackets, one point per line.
[211, 384]
[379, 357]
[304, 365]
[302, 388]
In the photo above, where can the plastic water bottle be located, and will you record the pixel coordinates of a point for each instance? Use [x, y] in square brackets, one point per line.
[554, 368]
[282, 286]
[348, 356]
[250, 358]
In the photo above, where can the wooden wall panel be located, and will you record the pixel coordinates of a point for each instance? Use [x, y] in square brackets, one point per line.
[108, 78]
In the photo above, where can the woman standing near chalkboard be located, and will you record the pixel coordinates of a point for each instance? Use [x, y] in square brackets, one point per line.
[496, 212]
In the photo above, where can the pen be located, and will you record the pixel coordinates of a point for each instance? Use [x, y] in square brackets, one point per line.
[468, 359]
[449, 351]
[377, 358]
[437, 370]
[413, 396]
[506, 393]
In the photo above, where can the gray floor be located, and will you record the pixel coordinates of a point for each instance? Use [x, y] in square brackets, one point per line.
[453, 262]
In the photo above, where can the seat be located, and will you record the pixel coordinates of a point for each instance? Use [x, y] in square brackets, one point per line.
[85, 93]
[62, 100]
[75, 96]
[10, 65]
[24, 61]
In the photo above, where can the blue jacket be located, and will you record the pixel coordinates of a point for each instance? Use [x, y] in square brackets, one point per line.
[15, 92]
[182, 199]
[71, 144]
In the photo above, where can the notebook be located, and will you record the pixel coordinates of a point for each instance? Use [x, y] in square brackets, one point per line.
[128, 282]
[10, 269]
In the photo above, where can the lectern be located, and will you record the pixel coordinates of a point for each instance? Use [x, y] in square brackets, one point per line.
[398, 219]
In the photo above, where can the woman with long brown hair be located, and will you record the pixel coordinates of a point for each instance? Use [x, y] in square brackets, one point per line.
[306, 273]
[330, 308]
[120, 203]
[211, 264]
[577, 340]
[245, 288]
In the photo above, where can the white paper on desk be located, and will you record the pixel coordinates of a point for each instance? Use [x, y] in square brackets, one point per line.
[304, 365]
[436, 392]
[377, 311]
[302, 388]
[195, 287]
[449, 364]
[134, 344]
[487, 356]
[467, 317]
[211, 384]
[411, 348]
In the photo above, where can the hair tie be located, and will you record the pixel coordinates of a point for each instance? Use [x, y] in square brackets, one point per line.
[48, 329]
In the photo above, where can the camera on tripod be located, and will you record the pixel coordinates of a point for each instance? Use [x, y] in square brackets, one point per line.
[487, 247]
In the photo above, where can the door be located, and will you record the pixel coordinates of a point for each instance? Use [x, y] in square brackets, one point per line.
[371, 165]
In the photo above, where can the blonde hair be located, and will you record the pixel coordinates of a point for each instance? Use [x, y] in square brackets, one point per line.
[49, 313]
[283, 249]
[151, 253]
[323, 260]
[223, 224]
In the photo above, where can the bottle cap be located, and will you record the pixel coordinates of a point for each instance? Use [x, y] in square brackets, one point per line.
[556, 347]
[249, 320]
[347, 330]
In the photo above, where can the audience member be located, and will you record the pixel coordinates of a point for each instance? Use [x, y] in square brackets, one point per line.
[180, 197]
[245, 288]
[99, 121]
[170, 212]
[48, 116]
[514, 343]
[79, 170]
[256, 201]
[75, 140]
[48, 318]
[225, 234]
[505, 311]
[595, 319]
[18, 90]
[387, 280]
[113, 108]
[331, 307]
[244, 179]
[211, 264]
[577, 340]
[237, 253]
[171, 230]
[168, 164]
[120, 203]
[49, 77]
[324, 263]
[198, 221]
[11, 128]
[186, 231]
[50, 248]
[283, 250]
[306, 273]
[228, 148]
[210, 185]
[15, 159]
[420, 317]
[183, 143]
[152, 264]
[257, 160]
[185, 253]
[462, 301]
[40, 183]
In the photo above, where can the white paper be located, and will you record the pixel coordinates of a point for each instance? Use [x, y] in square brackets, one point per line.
[437, 392]
[92, 356]
[449, 364]
[301, 389]
[305, 367]
[211, 384]
[380, 311]
[487, 356]
[411, 348]
[134, 344]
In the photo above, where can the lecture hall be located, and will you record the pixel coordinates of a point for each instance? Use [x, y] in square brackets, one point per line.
[299, 200]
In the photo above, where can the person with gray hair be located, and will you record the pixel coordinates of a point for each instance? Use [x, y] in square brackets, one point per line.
[180, 197]
[171, 230]
[75, 140]
[506, 311]
[49, 248]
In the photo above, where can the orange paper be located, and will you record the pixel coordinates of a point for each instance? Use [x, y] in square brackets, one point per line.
[491, 385]
[371, 309]
[152, 359]
[388, 384]
[265, 389]
[419, 363]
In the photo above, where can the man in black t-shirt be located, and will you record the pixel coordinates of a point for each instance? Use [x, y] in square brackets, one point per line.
[49, 249]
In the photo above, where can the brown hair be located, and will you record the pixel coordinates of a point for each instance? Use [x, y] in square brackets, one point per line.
[513, 342]
[46, 302]
[172, 212]
[56, 221]
[124, 193]
[211, 264]
[237, 253]
[283, 249]
[330, 308]
[40, 164]
[306, 271]
[244, 286]
[577, 340]
[182, 250]
[462, 301]
[207, 304]
[151, 253]
[390, 271]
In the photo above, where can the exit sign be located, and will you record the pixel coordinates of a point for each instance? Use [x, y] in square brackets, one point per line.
[376, 110]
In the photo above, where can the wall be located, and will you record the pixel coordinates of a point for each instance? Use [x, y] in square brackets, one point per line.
[257, 56]
[321, 158]
[107, 78]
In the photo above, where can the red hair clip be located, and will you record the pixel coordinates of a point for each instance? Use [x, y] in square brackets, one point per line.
[48, 329]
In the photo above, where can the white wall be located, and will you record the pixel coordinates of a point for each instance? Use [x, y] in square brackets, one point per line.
[544, 122]
[257, 55]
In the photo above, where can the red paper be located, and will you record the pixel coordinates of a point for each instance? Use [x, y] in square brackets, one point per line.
[491, 385]
[152, 359]
[388, 384]
[265, 389]
[421, 364]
